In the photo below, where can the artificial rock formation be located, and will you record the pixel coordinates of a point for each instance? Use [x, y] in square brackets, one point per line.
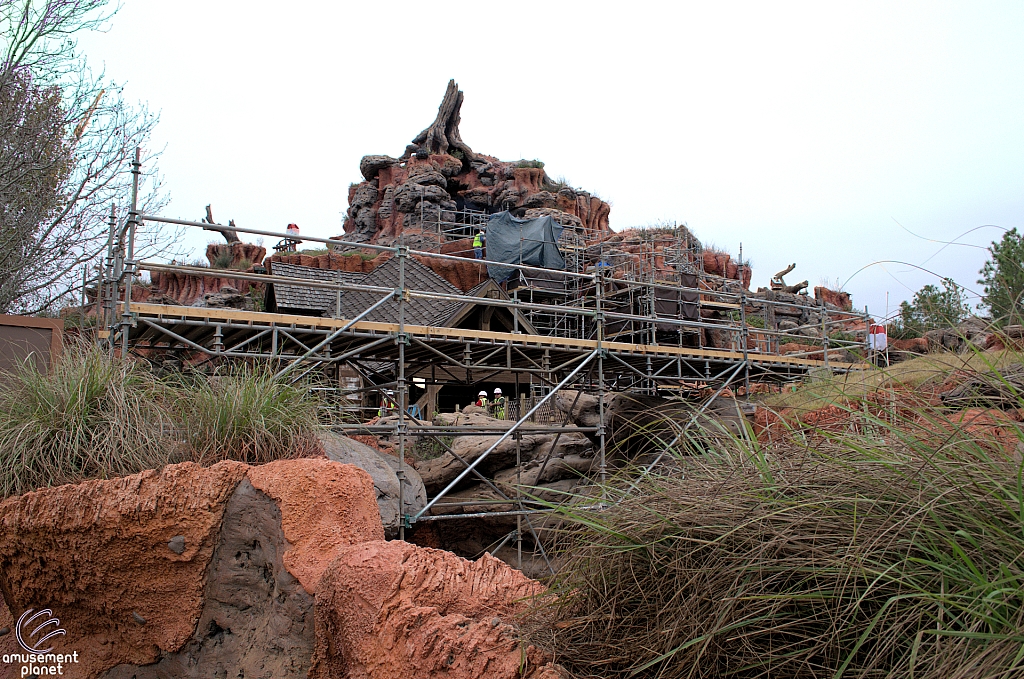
[183, 571]
[562, 455]
[216, 572]
[382, 468]
[391, 610]
[438, 173]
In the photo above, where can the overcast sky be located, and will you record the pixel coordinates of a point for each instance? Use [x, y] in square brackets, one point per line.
[807, 131]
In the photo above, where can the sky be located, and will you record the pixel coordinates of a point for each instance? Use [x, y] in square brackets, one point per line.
[825, 134]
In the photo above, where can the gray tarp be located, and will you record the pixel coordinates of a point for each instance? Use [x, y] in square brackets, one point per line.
[522, 241]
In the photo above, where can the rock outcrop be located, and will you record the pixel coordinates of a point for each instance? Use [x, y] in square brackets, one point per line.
[182, 571]
[545, 457]
[391, 610]
[383, 469]
[199, 572]
[439, 174]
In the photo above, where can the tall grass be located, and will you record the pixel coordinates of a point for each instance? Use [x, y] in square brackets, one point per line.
[891, 546]
[247, 415]
[93, 417]
[89, 418]
[930, 369]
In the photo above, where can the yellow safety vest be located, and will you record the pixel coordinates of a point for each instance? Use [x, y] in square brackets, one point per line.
[478, 242]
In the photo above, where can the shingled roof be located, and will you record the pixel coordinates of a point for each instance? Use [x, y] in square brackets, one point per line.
[301, 298]
[418, 311]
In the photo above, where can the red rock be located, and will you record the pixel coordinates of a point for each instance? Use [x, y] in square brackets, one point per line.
[839, 299]
[240, 253]
[918, 345]
[321, 511]
[96, 553]
[989, 428]
[392, 610]
[251, 544]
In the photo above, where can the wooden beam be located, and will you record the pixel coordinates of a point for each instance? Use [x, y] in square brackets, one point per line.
[461, 334]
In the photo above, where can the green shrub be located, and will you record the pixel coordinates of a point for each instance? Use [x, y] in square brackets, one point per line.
[537, 164]
[430, 447]
[752, 321]
[259, 302]
[222, 260]
[931, 309]
[89, 418]
[247, 415]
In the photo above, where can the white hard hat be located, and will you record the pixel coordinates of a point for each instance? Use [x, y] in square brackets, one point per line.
[482, 393]
[497, 390]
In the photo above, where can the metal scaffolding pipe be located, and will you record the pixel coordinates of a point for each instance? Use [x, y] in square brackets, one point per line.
[568, 379]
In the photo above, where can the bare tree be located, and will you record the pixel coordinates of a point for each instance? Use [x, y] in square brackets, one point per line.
[67, 138]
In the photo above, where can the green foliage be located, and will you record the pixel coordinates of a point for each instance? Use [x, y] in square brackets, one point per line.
[258, 300]
[222, 260]
[931, 309]
[1003, 279]
[752, 321]
[365, 256]
[843, 337]
[531, 163]
[430, 447]
[457, 154]
[313, 252]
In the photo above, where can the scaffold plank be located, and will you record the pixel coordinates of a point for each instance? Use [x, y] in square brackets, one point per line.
[208, 315]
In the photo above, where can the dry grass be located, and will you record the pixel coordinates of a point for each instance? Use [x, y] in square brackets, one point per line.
[890, 549]
[93, 417]
[89, 418]
[926, 370]
[247, 416]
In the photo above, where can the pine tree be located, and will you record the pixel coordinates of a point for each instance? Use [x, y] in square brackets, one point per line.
[1003, 280]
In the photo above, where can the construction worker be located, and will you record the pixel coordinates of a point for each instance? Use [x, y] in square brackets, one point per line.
[481, 399]
[478, 243]
[387, 404]
[499, 404]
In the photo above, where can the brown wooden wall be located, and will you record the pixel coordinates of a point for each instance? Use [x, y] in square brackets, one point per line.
[27, 337]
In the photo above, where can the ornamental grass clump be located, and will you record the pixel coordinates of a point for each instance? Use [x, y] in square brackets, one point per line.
[246, 415]
[90, 417]
[889, 546]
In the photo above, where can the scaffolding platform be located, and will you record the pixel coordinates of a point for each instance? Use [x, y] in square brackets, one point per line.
[240, 334]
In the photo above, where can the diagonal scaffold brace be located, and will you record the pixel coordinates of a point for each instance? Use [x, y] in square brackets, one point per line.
[513, 429]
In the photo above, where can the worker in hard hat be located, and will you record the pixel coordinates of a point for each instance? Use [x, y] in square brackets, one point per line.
[499, 404]
[481, 399]
[387, 404]
[478, 243]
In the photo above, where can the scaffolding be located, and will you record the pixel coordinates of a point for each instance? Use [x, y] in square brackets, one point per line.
[606, 334]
